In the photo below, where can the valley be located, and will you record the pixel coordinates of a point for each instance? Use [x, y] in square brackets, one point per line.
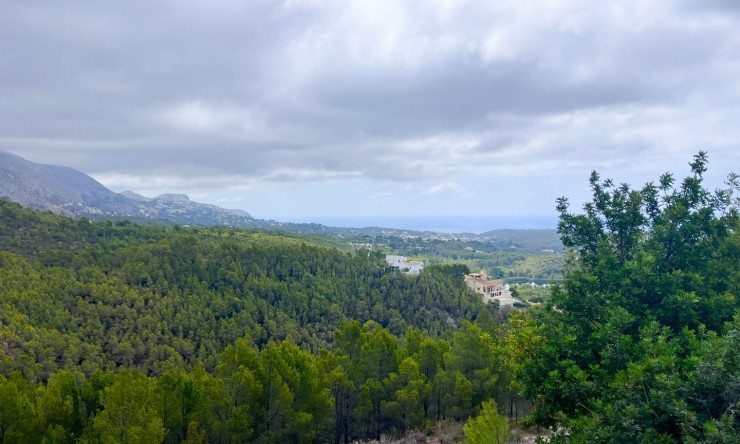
[112, 331]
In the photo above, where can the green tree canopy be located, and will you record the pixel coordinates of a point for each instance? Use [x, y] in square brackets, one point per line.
[653, 274]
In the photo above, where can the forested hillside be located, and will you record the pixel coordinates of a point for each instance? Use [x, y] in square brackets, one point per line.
[228, 332]
[144, 296]
[130, 334]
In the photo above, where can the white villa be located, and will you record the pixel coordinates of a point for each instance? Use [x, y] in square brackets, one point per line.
[404, 264]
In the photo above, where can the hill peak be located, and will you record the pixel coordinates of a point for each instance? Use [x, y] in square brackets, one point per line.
[170, 197]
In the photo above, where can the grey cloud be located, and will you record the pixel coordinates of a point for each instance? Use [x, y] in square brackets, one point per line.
[92, 84]
[711, 6]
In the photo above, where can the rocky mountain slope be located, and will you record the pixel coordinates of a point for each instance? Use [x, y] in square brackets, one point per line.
[69, 192]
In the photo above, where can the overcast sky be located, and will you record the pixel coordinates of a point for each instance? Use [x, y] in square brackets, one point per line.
[306, 109]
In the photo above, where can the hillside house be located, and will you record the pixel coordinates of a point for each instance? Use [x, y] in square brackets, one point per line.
[405, 265]
[489, 289]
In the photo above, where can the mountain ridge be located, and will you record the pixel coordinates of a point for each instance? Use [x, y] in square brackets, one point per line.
[66, 191]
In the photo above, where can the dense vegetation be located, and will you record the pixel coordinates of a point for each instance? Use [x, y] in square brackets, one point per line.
[142, 296]
[125, 333]
[640, 343]
[119, 333]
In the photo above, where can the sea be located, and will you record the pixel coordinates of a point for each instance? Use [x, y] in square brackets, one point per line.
[439, 224]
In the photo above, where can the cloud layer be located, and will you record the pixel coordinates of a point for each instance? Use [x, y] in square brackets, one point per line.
[290, 108]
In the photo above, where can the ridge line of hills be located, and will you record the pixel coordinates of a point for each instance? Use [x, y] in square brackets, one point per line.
[66, 191]
[69, 192]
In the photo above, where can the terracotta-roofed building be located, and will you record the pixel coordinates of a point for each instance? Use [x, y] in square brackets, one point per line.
[488, 288]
